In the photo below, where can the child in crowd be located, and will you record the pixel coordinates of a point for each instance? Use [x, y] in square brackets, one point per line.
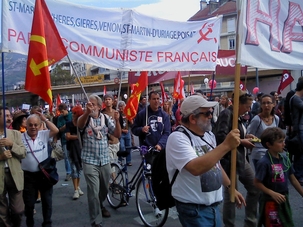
[272, 174]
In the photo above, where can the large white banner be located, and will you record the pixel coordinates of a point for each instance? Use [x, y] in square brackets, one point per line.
[271, 34]
[118, 38]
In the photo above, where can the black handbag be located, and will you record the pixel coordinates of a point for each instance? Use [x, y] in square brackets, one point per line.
[47, 169]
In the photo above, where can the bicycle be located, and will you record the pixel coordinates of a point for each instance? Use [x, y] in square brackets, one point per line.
[120, 188]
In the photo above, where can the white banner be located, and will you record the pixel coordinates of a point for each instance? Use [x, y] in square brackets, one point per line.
[271, 34]
[118, 38]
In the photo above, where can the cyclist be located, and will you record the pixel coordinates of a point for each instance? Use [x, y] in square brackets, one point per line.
[154, 130]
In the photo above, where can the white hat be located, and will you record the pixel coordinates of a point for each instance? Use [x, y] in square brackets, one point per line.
[191, 103]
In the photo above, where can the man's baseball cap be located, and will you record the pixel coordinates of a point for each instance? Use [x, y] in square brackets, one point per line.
[191, 103]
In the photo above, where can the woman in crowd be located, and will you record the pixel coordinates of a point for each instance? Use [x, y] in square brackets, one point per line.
[265, 119]
[125, 140]
[73, 146]
[223, 102]
[167, 107]
[19, 121]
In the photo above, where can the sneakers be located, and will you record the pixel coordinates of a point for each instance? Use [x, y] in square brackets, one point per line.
[105, 213]
[68, 177]
[76, 195]
[80, 191]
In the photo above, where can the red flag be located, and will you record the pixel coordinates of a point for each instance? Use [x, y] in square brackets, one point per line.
[45, 49]
[178, 87]
[131, 107]
[163, 94]
[286, 79]
[58, 102]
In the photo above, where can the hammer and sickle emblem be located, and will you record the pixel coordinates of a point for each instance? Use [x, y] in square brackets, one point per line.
[203, 36]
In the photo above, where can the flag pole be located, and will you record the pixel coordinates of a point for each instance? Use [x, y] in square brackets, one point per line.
[235, 109]
[70, 62]
[119, 92]
[146, 106]
[3, 96]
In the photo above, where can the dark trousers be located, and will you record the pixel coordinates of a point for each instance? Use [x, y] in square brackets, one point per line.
[32, 183]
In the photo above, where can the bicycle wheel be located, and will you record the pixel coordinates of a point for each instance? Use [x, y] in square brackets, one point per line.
[116, 186]
[148, 211]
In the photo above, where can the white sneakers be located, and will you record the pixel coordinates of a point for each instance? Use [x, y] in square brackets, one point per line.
[80, 191]
[77, 193]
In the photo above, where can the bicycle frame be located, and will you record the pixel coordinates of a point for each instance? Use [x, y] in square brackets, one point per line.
[140, 174]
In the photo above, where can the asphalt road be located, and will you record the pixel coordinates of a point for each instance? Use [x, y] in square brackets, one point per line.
[74, 213]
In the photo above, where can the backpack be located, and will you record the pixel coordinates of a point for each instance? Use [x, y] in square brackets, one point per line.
[160, 181]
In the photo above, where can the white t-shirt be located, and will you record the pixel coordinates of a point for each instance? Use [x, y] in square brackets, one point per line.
[40, 148]
[187, 188]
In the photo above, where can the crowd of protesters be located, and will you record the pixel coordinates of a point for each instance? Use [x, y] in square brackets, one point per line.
[106, 130]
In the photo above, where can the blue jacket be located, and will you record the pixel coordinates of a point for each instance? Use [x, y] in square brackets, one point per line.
[159, 130]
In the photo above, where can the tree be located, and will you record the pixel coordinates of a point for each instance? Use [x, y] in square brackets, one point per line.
[60, 76]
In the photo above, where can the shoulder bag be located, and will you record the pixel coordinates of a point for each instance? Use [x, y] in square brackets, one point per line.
[48, 169]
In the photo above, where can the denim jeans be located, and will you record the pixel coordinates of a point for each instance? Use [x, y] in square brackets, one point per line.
[66, 160]
[125, 141]
[32, 183]
[194, 215]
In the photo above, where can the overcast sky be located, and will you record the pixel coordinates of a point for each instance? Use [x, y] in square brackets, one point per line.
[176, 10]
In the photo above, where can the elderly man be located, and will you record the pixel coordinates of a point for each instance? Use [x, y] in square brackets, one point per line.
[36, 144]
[95, 155]
[192, 151]
[12, 151]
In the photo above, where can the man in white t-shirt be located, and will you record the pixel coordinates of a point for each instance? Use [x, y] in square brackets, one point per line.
[198, 186]
[36, 142]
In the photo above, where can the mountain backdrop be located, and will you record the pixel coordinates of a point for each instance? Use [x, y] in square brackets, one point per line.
[14, 69]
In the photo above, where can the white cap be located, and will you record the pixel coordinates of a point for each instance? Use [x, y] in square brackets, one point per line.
[191, 103]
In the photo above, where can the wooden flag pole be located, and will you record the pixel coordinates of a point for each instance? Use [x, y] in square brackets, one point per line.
[233, 167]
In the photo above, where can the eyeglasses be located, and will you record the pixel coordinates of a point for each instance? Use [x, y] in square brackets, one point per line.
[33, 125]
[206, 114]
[266, 103]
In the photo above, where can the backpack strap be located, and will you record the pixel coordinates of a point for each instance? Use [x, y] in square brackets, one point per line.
[180, 129]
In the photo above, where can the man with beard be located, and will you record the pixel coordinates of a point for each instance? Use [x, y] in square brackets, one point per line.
[95, 154]
[154, 127]
[198, 186]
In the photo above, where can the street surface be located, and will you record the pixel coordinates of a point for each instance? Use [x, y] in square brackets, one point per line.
[74, 213]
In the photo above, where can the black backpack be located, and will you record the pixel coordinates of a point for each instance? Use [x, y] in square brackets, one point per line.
[160, 181]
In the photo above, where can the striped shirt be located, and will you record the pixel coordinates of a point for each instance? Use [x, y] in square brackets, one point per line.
[95, 151]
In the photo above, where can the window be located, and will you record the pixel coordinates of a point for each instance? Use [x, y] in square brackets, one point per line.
[231, 25]
[231, 43]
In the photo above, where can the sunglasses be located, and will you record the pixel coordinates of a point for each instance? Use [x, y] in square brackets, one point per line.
[206, 114]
